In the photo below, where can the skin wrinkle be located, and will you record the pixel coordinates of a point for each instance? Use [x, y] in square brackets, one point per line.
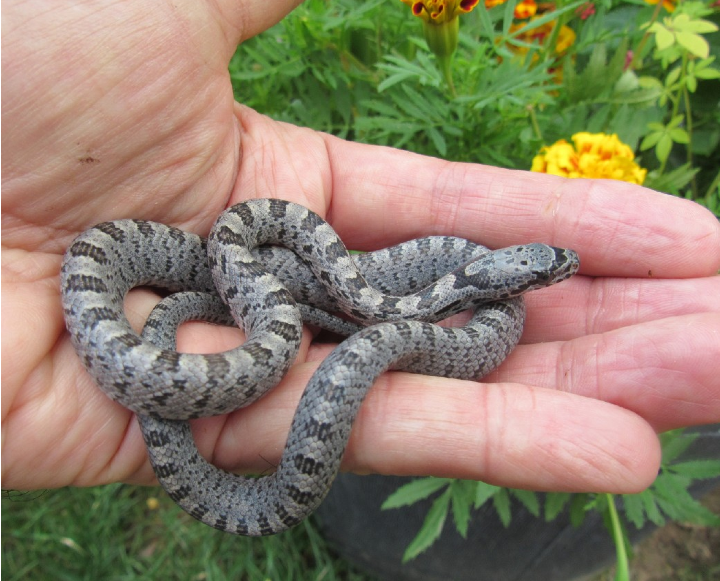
[325, 211]
[445, 215]
[32, 317]
[117, 459]
[564, 224]
[421, 428]
[590, 457]
[606, 229]
[152, 93]
[221, 432]
[44, 404]
[564, 369]
[233, 27]
[585, 459]
[495, 433]
[377, 409]
[595, 305]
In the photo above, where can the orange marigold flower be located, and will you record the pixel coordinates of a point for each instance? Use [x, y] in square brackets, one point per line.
[593, 155]
[441, 25]
[669, 5]
[524, 9]
[439, 11]
[565, 38]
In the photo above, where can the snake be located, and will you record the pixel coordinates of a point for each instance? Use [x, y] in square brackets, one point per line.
[267, 266]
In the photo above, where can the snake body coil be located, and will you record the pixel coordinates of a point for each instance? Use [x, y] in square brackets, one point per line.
[392, 291]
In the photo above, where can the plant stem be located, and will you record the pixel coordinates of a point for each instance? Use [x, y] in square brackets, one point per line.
[622, 572]
[534, 123]
[711, 190]
[445, 65]
[635, 63]
[688, 127]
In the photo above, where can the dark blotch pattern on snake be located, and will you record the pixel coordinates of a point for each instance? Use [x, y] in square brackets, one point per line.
[393, 296]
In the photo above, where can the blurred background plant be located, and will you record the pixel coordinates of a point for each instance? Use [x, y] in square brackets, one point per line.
[523, 75]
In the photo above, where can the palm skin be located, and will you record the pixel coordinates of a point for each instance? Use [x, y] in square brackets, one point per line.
[120, 109]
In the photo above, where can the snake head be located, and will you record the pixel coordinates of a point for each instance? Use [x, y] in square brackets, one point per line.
[530, 266]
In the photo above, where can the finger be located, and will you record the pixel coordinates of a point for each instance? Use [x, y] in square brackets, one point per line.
[382, 196]
[664, 371]
[587, 305]
[509, 434]
[375, 197]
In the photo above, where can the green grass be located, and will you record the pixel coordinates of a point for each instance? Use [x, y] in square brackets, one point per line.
[110, 533]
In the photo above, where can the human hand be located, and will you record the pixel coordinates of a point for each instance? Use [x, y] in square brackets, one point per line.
[127, 111]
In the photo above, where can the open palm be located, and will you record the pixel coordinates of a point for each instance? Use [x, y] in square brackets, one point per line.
[122, 109]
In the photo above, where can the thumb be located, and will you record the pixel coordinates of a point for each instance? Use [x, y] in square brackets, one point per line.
[243, 19]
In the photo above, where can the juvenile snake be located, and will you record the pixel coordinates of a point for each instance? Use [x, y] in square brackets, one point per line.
[395, 293]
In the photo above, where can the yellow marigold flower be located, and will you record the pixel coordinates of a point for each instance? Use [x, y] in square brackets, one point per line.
[593, 155]
[566, 38]
[439, 11]
[669, 5]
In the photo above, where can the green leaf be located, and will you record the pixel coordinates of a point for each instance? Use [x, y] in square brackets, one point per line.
[671, 493]
[578, 509]
[679, 135]
[414, 491]
[673, 76]
[651, 140]
[501, 501]
[438, 140]
[508, 17]
[663, 147]
[529, 499]
[674, 443]
[462, 492]
[634, 509]
[684, 23]
[707, 73]
[651, 508]
[627, 82]
[663, 37]
[484, 492]
[486, 22]
[693, 43]
[672, 181]
[675, 500]
[697, 469]
[431, 528]
[554, 503]
[394, 80]
[675, 121]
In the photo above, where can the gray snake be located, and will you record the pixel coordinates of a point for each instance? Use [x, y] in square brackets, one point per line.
[391, 298]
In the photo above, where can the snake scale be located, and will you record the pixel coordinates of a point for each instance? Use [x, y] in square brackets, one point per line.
[268, 265]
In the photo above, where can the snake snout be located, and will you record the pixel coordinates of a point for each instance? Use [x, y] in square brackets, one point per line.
[565, 263]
